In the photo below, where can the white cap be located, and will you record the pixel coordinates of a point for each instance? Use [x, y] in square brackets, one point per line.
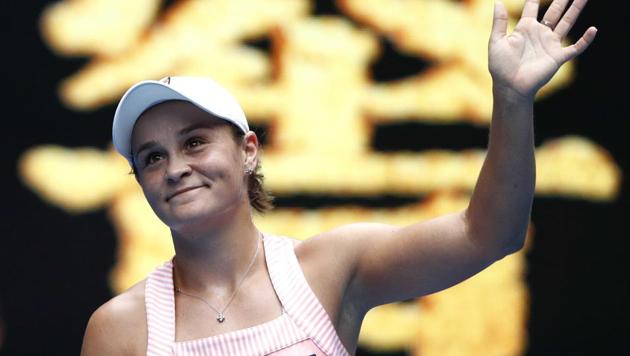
[205, 93]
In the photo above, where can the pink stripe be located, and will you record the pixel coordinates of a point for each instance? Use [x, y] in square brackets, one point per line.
[230, 347]
[328, 340]
[309, 307]
[320, 326]
[220, 346]
[275, 337]
[303, 317]
[160, 326]
[239, 343]
[288, 332]
[267, 335]
[194, 348]
[247, 341]
[260, 335]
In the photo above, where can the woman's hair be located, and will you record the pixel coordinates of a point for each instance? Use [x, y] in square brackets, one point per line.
[259, 198]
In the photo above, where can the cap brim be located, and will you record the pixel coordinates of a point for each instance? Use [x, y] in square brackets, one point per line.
[137, 100]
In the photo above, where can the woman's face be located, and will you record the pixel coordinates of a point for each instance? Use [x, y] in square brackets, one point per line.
[189, 165]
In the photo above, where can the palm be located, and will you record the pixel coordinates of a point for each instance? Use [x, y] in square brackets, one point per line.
[527, 58]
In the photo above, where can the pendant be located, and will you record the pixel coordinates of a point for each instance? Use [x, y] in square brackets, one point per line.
[220, 318]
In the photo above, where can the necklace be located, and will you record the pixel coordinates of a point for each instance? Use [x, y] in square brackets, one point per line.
[220, 314]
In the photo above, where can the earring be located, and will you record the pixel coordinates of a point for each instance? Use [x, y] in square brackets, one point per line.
[249, 171]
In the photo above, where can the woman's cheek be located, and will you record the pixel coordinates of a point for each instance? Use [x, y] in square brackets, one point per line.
[150, 186]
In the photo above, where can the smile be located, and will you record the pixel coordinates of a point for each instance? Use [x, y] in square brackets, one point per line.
[182, 191]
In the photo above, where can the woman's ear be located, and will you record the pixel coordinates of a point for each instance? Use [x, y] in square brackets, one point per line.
[250, 142]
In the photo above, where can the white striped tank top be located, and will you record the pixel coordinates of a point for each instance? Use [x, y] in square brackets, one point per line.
[304, 328]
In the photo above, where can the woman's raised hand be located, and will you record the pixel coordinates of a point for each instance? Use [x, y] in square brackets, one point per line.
[525, 60]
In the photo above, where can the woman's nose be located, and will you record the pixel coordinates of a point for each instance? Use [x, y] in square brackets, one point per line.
[177, 169]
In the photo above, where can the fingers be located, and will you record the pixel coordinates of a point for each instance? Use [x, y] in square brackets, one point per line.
[499, 22]
[569, 18]
[530, 9]
[582, 44]
[554, 12]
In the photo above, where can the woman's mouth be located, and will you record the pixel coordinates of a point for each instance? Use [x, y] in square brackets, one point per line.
[182, 191]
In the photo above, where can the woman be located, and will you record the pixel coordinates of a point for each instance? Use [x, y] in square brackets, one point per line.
[232, 290]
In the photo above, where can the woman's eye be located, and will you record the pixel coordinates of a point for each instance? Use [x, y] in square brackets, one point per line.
[152, 158]
[193, 143]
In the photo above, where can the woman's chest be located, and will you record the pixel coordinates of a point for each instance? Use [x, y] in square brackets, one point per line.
[198, 317]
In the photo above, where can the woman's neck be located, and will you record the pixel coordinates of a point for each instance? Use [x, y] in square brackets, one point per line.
[216, 260]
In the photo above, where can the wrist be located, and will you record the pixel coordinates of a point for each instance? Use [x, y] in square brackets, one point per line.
[510, 96]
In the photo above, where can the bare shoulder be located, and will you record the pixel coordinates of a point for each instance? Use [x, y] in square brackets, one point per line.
[118, 326]
[338, 246]
[328, 259]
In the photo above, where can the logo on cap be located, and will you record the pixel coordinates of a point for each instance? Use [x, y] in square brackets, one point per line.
[166, 80]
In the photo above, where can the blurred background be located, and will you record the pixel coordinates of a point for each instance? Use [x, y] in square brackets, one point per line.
[368, 111]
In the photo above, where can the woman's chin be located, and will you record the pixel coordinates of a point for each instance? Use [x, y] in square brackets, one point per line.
[188, 219]
[191, 218]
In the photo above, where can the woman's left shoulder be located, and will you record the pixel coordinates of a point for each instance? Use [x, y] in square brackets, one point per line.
[325, 257]
[327, 261]
[328, 256]
[330, 247]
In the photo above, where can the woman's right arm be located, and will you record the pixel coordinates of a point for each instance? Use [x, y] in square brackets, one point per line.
[101, 335]
[118, 327]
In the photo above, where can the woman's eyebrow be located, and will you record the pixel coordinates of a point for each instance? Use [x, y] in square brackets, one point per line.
[145, 146]
[182, 132]
[193, 127]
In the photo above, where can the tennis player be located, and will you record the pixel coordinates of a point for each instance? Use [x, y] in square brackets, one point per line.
[231, 289]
